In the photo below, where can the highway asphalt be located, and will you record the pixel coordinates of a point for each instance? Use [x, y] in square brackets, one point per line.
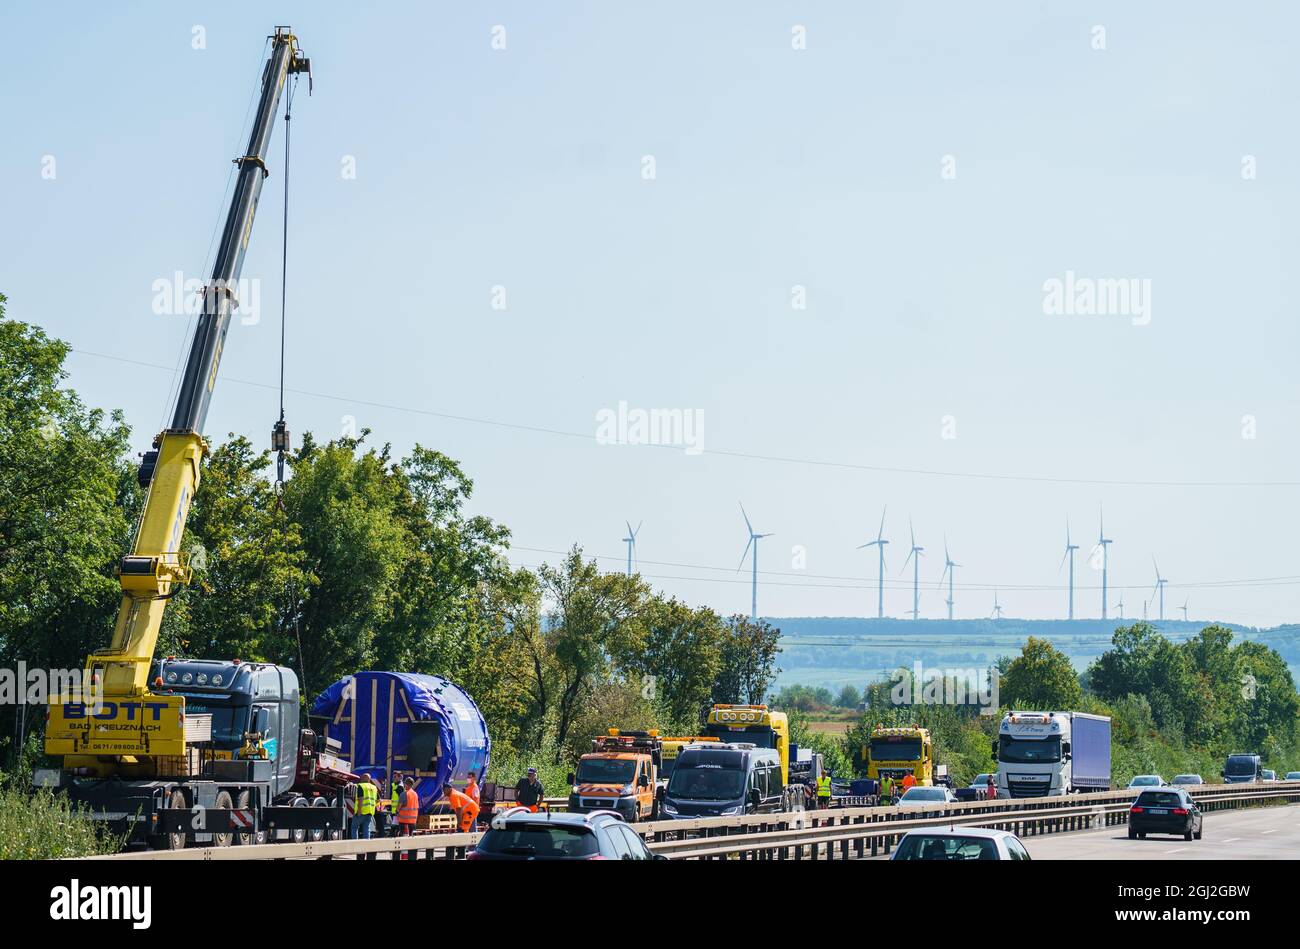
[1257, 833]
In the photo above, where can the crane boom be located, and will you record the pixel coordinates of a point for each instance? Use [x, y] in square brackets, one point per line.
[125, 725]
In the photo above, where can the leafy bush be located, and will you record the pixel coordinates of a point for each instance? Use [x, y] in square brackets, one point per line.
[43, 826]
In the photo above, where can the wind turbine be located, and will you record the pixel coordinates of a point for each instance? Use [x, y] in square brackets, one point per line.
[996, 612]
[948, 572]
[880, 542]
[1104, 543]
[1160, 587]
[1069, 553]
[1184, 609]
[753, 542]
[914, 555]
[630, 540]
[1121, 604]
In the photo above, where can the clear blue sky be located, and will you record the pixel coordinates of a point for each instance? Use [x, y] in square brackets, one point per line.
[775, 167]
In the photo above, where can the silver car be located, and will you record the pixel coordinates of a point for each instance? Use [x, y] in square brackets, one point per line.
[1186, 780]
[1147, 781]
[966, 843]
[926, 797]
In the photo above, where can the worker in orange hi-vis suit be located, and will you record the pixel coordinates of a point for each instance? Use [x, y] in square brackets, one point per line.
[472, 789]
[466, 808]
[908, 782]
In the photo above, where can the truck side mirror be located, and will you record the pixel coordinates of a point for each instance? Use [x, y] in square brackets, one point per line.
[643, 781]
[569, 777]
[993, 749]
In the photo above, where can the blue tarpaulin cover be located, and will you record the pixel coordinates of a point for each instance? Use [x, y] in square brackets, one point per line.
[376, 716]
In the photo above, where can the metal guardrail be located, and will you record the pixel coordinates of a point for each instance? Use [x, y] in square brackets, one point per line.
[814, 834]
[853, 836]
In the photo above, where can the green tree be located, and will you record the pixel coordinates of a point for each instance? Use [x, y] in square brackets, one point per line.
[63, 528]
[679, 657]
[247, 559]
[1041, 677]
[849, 697]
[593, 617]
[748, 656]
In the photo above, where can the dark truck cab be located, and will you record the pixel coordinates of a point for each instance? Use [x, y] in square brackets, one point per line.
[249, 775]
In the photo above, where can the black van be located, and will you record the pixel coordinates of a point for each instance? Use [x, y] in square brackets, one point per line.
[713, 780]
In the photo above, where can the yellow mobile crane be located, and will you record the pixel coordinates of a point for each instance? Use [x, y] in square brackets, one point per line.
[133, 731]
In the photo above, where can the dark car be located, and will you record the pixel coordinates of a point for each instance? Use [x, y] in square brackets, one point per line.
[522, 835]
[1165, 811]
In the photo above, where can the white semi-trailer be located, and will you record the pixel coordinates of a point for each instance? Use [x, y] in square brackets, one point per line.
[1042, 754]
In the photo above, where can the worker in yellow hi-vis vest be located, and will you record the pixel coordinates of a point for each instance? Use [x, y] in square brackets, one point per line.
[823, 791]
[363, 822]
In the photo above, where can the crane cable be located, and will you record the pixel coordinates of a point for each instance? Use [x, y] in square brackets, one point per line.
[280, 433]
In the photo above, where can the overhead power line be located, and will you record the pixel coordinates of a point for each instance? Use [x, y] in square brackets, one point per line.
[733, 453]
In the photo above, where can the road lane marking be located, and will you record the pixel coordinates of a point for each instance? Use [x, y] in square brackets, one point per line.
[1268, 831]
[1179, 850]
[1230, 840]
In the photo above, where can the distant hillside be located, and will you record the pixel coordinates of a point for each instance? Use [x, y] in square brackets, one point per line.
[839, 650]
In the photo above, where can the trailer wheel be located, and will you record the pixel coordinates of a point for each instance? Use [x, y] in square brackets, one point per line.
[246, 803]
[338, 832]
[299, 835]
[318, 834]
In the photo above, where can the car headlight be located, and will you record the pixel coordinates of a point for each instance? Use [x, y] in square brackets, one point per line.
[669, 809]
[732, 811]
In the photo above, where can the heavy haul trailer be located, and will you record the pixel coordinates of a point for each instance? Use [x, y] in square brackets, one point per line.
[122, 739]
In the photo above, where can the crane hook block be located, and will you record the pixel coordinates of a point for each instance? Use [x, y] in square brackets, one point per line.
[280, 437]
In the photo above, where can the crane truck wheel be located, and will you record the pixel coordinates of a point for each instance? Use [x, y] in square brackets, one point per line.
[246, 803]
[170, 841]
[223, 803]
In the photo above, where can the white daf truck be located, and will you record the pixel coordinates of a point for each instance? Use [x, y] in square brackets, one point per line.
[1043, 754]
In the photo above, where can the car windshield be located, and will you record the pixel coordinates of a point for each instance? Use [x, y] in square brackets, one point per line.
[980, 780]
[895, 749]
[1188, 779]
[706, 783]
[1293, 775]
[540, 840]
[1240, 766]
[1029, 750]
[606, 771]
[1159, 799]
[924, 794]
[1144, 780]
[923, 847]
